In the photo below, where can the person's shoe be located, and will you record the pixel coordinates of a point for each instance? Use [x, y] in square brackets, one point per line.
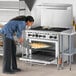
[17, 70]
[9, 72]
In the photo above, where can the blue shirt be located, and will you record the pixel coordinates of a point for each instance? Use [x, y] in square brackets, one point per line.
[13, 27]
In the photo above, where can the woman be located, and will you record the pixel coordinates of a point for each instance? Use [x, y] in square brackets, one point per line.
[15, 25]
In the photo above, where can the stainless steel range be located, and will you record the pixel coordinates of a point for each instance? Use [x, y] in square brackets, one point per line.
[44, 40]
[44, 44]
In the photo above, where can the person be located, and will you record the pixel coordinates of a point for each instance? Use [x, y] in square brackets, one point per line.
[15, 25]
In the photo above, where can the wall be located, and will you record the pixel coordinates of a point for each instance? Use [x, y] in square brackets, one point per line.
[35, 12]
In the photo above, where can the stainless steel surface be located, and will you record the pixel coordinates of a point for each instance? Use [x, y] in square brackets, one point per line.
[46, 35]
[71, 49]
[44, 18]
[56, 17]
[49, 36]
[12, 8]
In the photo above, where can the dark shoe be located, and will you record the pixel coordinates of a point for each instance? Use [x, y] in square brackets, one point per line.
[17, 70]
[9, 72]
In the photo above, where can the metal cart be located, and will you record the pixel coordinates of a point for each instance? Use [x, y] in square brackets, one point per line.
[71, 50]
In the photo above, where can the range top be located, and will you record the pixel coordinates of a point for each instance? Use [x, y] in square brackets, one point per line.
[45, 33]
[55, 29]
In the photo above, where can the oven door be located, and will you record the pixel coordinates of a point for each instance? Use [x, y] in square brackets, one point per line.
[44, 50]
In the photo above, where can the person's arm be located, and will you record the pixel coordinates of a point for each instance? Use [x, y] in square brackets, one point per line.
[20, 27]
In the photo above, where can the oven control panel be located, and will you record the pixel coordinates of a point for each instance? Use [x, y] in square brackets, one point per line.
[42, 35]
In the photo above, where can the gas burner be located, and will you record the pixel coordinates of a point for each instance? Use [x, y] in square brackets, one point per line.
[55, 29]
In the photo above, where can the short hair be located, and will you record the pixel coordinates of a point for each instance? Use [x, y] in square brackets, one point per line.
[24, 18]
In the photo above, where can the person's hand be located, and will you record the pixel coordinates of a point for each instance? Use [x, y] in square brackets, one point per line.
[20, 40]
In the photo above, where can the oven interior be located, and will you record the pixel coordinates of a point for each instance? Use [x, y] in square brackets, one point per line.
[46, 51]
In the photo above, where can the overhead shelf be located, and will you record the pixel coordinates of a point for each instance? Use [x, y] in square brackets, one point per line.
[12, 9]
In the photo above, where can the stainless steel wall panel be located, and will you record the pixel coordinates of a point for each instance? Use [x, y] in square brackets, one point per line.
[10, 9]
[7, 15]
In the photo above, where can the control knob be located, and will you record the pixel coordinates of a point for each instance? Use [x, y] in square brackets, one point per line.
[36, 35]
[55, 37]
[51, 37]
[40, 35]
[29, 34]
[44, 36]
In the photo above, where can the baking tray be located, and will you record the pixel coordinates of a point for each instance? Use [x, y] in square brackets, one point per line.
[39, 45]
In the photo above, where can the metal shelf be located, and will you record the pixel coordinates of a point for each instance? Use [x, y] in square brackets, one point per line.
[71, 50]
[12, 8]
[66, 52]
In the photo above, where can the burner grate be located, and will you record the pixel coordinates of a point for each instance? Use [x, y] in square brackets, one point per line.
[55, 29]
